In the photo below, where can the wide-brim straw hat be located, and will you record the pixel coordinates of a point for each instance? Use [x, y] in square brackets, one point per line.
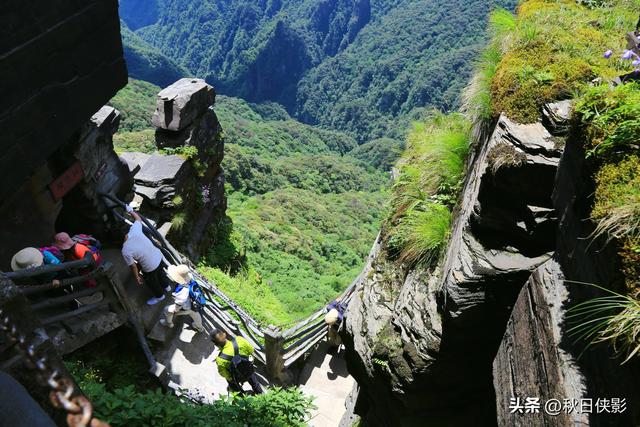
[63, 241]
[27, 258]
[179, 274]
[331, 317]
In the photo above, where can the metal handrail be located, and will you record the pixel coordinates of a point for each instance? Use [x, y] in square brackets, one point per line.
[87, 261]
[163, 244]
[64, 283]
[299, 339]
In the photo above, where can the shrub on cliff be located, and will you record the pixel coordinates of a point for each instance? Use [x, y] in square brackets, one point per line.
[609, 118]
[113, 377]
[128, 407]
[426, 189]
[614, 318]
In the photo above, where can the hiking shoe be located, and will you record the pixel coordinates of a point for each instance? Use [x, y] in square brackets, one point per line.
[154, 300]
[163, 322]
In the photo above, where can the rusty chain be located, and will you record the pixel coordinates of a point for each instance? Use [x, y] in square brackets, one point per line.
[78, 408]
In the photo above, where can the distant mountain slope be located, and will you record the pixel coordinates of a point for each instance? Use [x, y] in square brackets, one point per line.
[419, 54]
[351, 65]
[257, 50]
[146, 63]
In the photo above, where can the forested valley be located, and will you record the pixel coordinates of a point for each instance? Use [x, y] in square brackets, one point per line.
[315, 99]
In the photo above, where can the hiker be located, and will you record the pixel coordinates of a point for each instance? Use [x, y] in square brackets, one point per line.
[234, 362]
[33, 258]
[333, 320]
[185, 298]
[74, 250]
[142, 256]
[77, 247]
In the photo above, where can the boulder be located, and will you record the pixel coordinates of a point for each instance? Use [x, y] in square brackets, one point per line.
[161, 169]
[556, 116]
[107, 119]
[202, 133]
[161, 178]
[179, 104]
[135, 160]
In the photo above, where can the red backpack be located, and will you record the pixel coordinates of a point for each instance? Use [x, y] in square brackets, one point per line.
[89, 241]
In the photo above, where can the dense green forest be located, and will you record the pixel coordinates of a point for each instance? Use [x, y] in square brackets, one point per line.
[357, 66]
[305, 210]
[147, 63]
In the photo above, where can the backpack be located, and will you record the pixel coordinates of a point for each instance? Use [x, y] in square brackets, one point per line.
[53, 250]
[196, 295]
[241, 367]
[89, 241]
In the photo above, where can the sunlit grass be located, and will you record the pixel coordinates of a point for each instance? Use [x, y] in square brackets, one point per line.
[424, 232]
[555, 50]
[426, 188]
[614, 318]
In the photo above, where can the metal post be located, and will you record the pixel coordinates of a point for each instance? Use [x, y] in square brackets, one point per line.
[273, 348]
[134, 319]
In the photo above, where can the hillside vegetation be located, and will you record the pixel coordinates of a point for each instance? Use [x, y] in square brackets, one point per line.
[147, 63]
[112, 373]
[305, 211]
[357, 66]
[427, 187]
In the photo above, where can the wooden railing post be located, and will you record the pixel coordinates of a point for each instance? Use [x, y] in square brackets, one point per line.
[273, 348]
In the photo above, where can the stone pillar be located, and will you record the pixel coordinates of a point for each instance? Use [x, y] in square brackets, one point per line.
[185, 206]
[273, 348]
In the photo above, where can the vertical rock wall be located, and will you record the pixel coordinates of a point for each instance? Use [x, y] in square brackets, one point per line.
[452, 346]
[539, 356]
[421, 343]
[59, 63]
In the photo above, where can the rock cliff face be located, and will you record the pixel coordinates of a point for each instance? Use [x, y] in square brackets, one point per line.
[45, 115]
[78, 44]
[422, 343]
[538, 356]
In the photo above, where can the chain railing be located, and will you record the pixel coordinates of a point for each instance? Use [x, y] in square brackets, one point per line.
[275, 349]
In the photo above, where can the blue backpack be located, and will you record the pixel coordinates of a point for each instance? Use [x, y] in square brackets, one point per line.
[196, 295]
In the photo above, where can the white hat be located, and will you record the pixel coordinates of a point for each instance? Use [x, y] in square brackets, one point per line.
[332, 317]
[179, 274]
[27, 258]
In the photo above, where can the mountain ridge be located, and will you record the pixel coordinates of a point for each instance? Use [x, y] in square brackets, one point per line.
[350, 65]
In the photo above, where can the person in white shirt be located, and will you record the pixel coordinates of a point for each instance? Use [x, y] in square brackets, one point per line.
[144, 257]
[182, 302]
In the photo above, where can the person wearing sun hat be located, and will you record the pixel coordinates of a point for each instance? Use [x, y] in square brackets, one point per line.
[333, 320]
[32, 258]
[27, 258]
[181, 299]
[74, 251]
